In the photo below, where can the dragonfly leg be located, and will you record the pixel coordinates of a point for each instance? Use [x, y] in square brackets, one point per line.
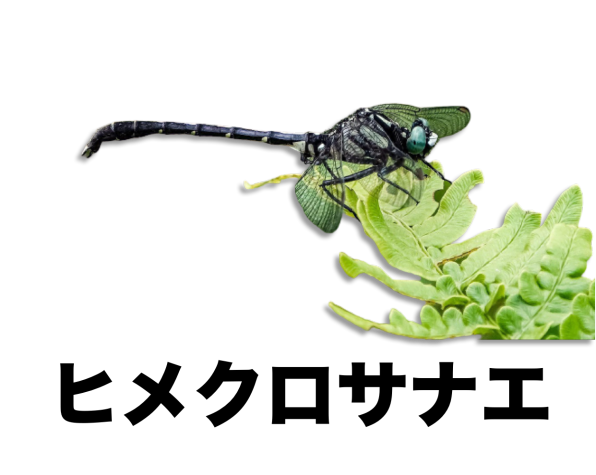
[374, 154]
[401, 160]
[351, 178]
[401, 164]
[386, 171]
[337, 181]
[382, 172]
[305, 159]
[417, 173]
[339, 202]
[341, 181]
[437, 172]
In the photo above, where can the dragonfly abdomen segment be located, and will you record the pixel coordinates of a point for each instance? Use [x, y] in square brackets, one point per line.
[136, 129]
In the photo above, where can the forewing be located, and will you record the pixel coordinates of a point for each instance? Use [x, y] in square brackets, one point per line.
[320, 208]
[443, 121]
[400, 113]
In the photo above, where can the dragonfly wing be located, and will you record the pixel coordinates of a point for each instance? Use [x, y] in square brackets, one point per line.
[401, 172]
[443, 121]
[411, 175]
[323, 206]
[386, 191]
[408, 174]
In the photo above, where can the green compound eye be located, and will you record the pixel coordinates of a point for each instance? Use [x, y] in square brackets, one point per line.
[417, 141]
[424, 122]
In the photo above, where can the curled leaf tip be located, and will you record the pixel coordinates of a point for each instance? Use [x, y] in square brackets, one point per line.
[521, 281]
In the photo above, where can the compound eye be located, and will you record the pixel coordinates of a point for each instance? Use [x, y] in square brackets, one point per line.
[420, 123]
[417, 141]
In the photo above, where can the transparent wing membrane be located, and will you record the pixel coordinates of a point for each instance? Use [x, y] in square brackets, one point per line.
[396, 173]
[443, 121]
[373, 135]
[366, 151]
[412, 182]
[368, 155]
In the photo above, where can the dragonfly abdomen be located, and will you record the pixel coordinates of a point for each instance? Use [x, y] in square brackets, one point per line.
[136, 129]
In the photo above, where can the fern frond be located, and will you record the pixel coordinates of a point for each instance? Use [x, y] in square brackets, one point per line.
[523, 280]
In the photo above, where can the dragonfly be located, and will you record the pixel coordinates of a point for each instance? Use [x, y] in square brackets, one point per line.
[379, 148]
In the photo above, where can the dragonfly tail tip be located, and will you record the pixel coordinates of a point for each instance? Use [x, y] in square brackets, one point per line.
[87, 152]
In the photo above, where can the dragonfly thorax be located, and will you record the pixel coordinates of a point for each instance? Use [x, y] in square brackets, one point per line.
[365, 113]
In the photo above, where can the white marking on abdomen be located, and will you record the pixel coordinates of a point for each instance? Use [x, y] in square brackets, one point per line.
[299, 146]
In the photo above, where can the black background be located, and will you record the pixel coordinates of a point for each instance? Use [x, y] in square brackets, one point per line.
[167, 250]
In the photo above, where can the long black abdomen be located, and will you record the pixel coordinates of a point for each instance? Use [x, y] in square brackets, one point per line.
[136, 129]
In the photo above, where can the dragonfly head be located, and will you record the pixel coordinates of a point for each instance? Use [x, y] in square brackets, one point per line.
[421, 139]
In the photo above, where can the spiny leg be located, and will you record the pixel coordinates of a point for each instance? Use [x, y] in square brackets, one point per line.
[382, 174]
[332, 196]
[417, 173]
[383, 170]
[350, 178]
[401, 160]
[337, 181]
[339, 202]
[437, 172]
